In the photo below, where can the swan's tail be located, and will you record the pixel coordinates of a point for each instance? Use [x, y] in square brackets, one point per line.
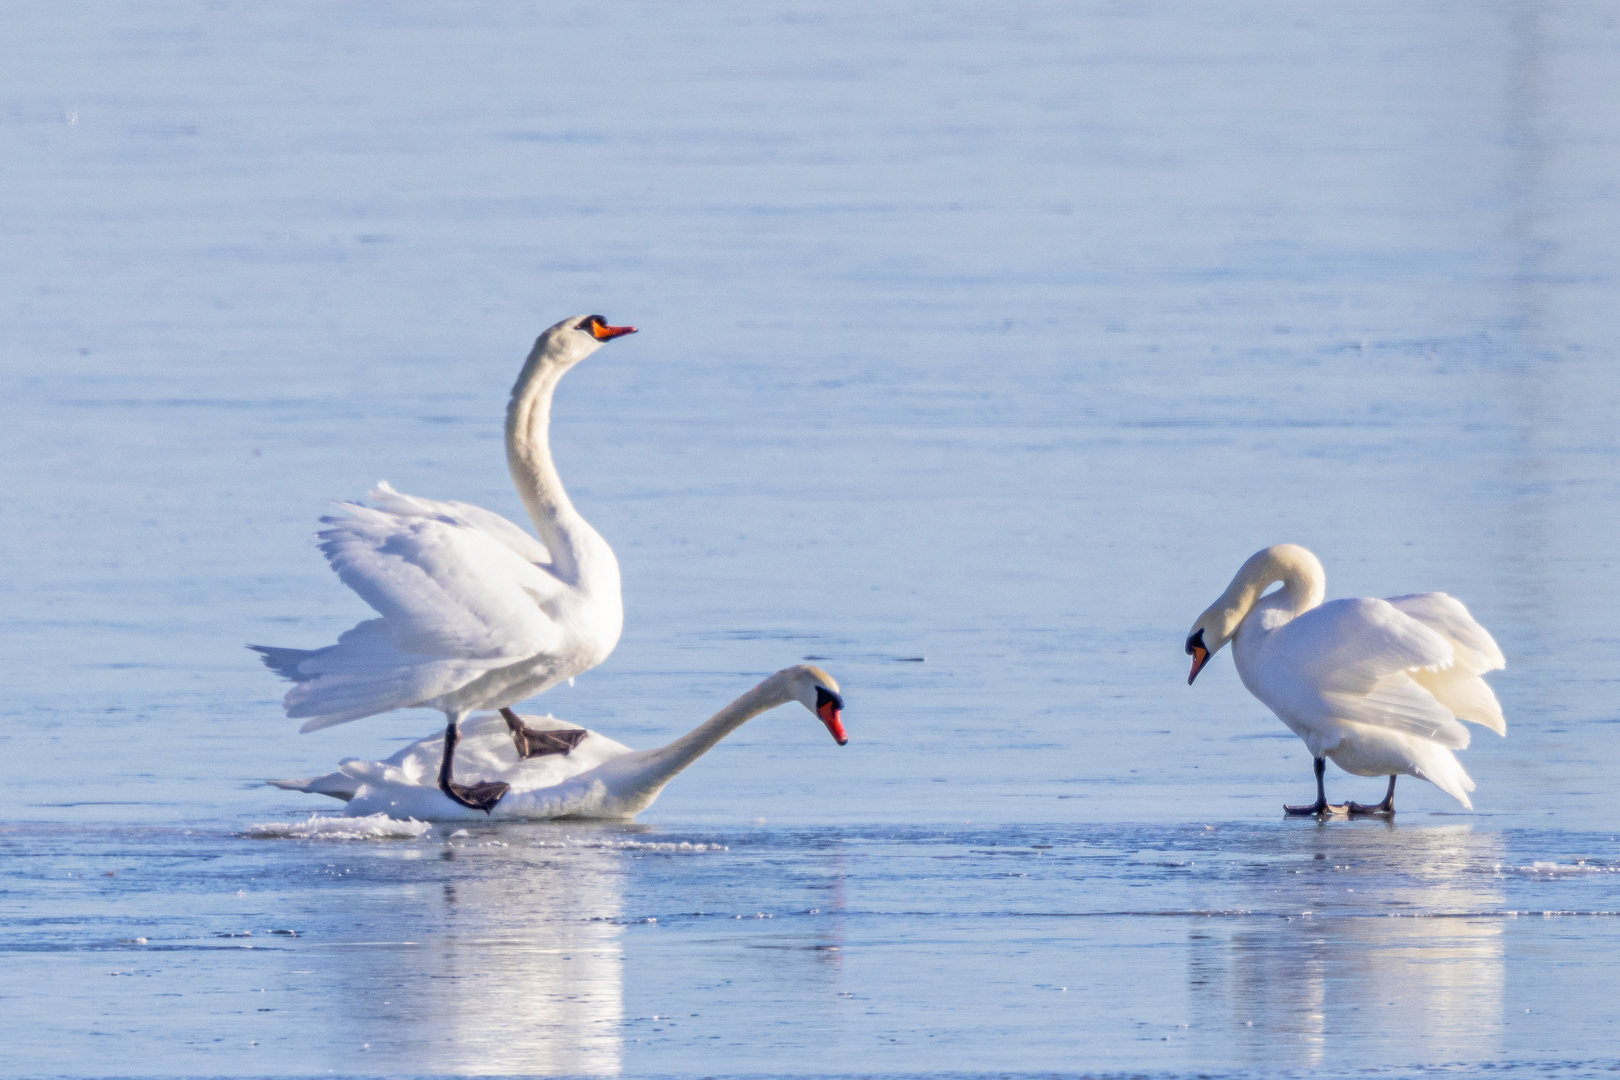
[1441, 768]
[284, 662]
[337, 785]
[333, 697]
[362, 675]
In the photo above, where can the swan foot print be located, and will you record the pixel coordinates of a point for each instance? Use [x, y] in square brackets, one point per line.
[1319, 808]
[532, 743]
[482, 796]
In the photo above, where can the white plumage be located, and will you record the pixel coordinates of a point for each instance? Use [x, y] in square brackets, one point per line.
[1378, 686]
[458, 605]
[599, 778]
[474, 612]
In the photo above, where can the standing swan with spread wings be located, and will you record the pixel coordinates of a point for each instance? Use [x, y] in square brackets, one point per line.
[476, 614]
[1376, 685]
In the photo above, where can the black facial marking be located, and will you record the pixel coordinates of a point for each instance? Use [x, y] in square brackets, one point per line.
[592, 320]
[1197, 641]
[823, 695]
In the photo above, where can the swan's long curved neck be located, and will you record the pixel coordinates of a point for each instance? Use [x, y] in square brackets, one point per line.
[575, 547]
[1304, 583]
[655, 768]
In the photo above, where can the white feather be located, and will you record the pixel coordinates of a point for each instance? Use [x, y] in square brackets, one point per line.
[474, 613]
[1378, 686]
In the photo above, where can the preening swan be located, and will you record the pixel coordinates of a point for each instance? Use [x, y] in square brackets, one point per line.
[1376, 685]
[476, 614]
[601, 778]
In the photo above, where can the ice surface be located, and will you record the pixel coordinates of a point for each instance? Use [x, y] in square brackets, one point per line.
[322, 827]
[1282, 948]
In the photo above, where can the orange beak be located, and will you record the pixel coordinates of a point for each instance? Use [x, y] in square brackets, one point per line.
[1200, 657]
[603, 332]
[835, 723]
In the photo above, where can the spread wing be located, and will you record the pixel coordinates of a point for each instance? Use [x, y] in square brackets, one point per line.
[451, 581]
[466, 515]
[1365, 659]
[461, 592]
[1458, 687]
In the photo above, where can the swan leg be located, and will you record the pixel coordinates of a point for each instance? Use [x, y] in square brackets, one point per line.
[1385, 807]
[1321, 806]
[532, 743]
[482, 796]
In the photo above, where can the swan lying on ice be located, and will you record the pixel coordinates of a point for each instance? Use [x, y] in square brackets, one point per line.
[597, 778]
[1376, 685]
[476, 613]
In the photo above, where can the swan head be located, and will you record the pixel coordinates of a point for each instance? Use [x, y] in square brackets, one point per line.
[1303, 580]
[1209, 636]
[575, 338]
[818, 691]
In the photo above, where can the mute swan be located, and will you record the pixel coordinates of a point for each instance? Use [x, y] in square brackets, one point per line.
[601, 778]
[1376, 685]
[476, 614]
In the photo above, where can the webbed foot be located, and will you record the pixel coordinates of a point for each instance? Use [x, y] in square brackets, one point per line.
[534, 743]
[481, 796]
[1319, 808]
[1385, 807]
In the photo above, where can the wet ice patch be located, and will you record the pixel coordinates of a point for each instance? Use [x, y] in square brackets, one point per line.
[1557, 869]
[319, 827]
[680, 847]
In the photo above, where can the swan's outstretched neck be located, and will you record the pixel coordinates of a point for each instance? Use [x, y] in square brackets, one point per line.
[578, 554]
[528, 443]
[655, 768]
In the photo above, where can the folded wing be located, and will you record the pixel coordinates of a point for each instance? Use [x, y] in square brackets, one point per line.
[1366, 660]
[1459, 686]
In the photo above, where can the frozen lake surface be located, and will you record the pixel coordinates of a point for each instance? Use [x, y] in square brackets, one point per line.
[979, 348]
[1206, 949]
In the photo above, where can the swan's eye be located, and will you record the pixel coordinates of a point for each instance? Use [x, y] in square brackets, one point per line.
[1196, 641]
[825, 697]
[590, 322]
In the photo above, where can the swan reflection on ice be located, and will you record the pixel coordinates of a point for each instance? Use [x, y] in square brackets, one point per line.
[521, 973]
[1393, 935]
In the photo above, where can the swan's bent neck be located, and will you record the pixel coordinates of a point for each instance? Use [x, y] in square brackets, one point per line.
[1304, 582]
[579, 555]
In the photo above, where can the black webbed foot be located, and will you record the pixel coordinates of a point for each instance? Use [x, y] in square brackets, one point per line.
[1385, 807]
[533, 743]
[1319, 808]
[482, 796]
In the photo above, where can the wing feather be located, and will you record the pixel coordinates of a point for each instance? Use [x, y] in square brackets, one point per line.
[1364, 658]
[445, 588]
[1458, 687]
[525, 546]
[460, 592]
